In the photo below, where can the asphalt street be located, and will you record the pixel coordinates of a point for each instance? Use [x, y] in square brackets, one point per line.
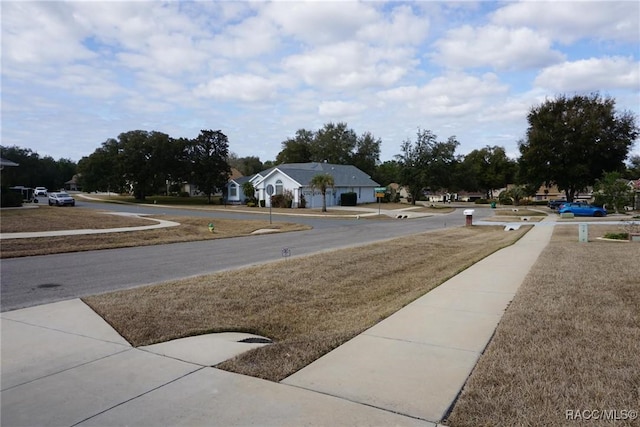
[39, 280]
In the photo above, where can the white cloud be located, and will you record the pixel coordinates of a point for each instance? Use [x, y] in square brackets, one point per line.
[453, 95]
[242, 87]
[497, 47]
[130, 25]
[252, 37]
[350, 65]
[569, 21]
[338, 110]
[318, 23]
[35, 34]
[402, 27]
[593, 74]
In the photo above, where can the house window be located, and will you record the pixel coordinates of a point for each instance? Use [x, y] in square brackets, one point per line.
[279, 187]
[233, 190]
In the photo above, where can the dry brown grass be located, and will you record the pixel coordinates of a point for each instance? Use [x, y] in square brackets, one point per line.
[520, 212]
[190, 229]
[570, 339]
[49, 218]
[308, 305]
[434, 208]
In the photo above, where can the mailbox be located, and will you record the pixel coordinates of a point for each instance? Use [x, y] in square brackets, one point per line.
[468, 213]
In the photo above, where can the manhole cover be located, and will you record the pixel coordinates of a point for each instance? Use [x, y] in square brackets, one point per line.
[256, 341]
[49, 285]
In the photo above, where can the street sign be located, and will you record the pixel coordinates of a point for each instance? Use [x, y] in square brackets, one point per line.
[381, 189]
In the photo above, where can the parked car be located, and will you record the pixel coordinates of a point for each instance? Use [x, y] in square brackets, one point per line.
[40, 191]
[61, 199]
[582, 209]
[555, 204]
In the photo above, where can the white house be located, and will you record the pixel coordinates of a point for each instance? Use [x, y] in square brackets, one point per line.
[296, 177]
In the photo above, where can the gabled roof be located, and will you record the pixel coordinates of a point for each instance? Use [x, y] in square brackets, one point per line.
[343, 175]
[241, 180]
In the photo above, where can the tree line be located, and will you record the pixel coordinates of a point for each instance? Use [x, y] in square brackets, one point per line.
[145, 163]
[35, 171]
[570, 142]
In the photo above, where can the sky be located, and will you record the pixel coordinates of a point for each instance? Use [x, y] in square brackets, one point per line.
[75, 74]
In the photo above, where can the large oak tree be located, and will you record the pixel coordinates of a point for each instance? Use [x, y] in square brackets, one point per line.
[571, 141]
[333, 143]
[427, 163]
[208, 154]
[487, 169]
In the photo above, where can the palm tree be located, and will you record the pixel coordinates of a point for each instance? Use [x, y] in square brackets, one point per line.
[322, 182]
[517, 193]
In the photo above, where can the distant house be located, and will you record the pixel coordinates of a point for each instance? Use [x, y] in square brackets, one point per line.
[234, 189]
[192, 189]
[72, 184]
[295, 177]
[6, 162]
[551, 192]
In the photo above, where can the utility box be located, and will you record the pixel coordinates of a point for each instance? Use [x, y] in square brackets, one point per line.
[468, 213]
[583, 233]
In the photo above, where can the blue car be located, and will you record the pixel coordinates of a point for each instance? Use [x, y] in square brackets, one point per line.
[581, 209]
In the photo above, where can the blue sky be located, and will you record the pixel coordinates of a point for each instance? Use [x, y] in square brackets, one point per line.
[75, 74]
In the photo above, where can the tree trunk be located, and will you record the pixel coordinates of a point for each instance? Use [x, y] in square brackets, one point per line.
[570, 193]
[324, 201]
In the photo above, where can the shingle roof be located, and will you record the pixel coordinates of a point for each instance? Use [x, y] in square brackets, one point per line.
[241, 180]
[343, 175]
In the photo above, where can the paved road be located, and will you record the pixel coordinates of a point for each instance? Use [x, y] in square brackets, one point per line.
[43, 279]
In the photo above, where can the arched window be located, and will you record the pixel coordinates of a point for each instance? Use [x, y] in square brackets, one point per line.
[233, 190]
[279, 187]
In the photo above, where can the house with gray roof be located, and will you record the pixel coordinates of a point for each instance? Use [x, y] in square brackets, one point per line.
[295, 177]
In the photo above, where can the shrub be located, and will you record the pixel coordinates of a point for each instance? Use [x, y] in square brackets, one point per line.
[504, 198]
[263, 203]
[617, 236]
[277, 201]
[251, 204]
[480, 201]
[303, 201]
[284, 200]
[185, 194]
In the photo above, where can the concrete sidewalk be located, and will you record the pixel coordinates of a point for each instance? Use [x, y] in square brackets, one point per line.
[416, 361]
[62, 365]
